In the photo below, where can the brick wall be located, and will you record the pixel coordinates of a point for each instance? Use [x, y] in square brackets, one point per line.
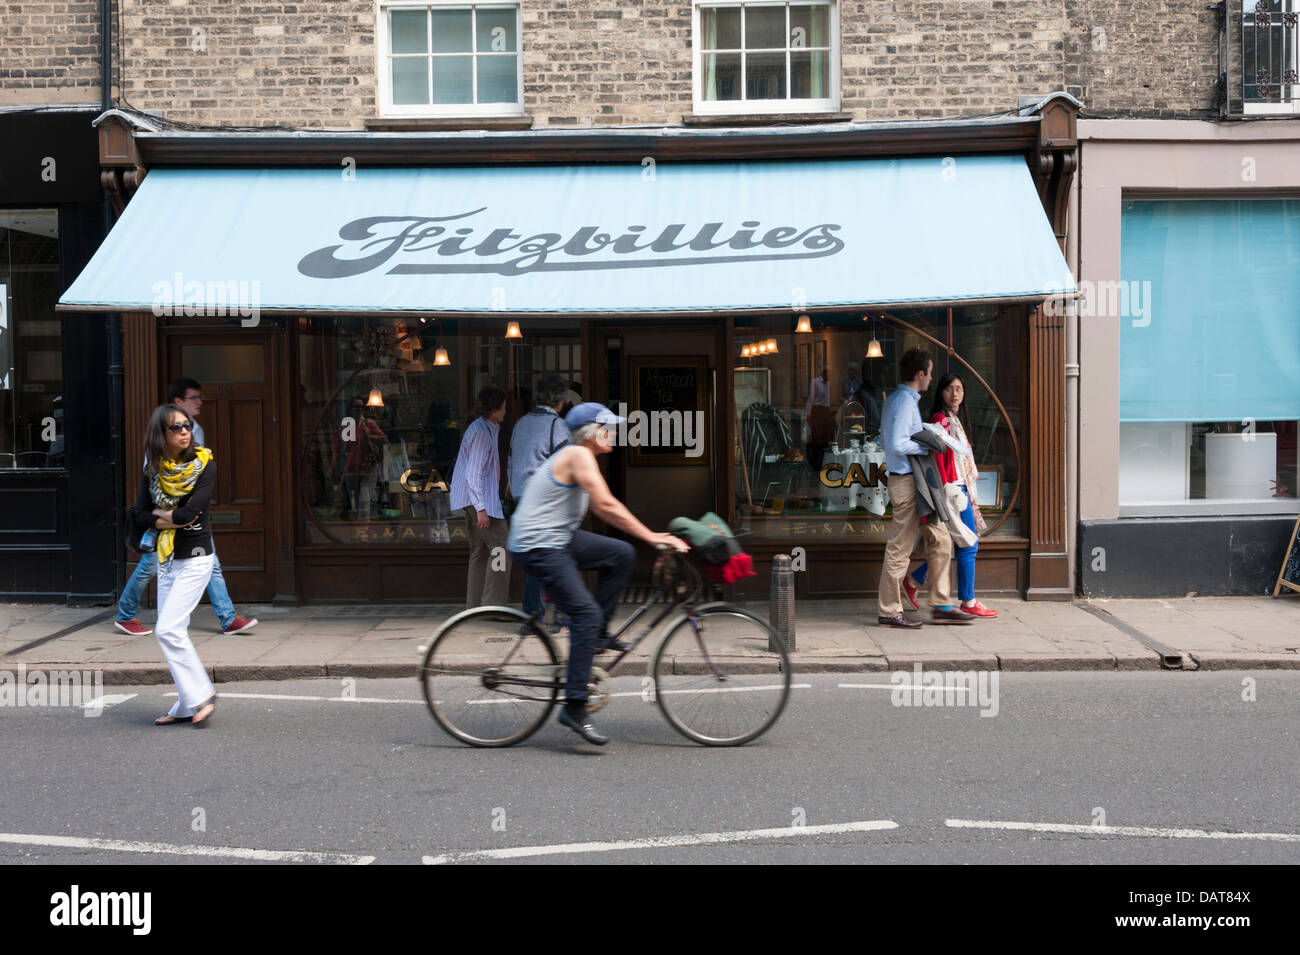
[1142, 59]
[312, 64]
[49, 52]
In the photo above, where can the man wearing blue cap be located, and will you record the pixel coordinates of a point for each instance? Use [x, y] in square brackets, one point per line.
[546, 542]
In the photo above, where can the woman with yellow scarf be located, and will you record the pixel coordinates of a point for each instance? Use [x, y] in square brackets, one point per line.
[173, 502]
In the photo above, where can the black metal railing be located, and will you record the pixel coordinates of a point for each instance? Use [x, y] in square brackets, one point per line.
[1258, 66]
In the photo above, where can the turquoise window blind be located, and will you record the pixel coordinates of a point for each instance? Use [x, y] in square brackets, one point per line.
[1219, 337]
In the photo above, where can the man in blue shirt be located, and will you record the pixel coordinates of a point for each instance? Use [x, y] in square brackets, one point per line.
[537, 436]
[899, 420]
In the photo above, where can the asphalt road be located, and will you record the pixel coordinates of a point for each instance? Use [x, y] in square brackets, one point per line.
[868, 781]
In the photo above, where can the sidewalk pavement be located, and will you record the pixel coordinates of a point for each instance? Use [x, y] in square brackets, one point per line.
[1209, 633]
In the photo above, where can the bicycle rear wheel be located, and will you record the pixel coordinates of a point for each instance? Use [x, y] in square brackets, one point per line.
[719, 683]
[486, 683]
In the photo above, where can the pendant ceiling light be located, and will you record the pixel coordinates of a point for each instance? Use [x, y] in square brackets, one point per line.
[873, 348]
[440, 357]
[512, 331]
[804, 326]
[376, 399]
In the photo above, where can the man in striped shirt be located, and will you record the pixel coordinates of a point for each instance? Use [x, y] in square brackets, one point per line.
[476, 489]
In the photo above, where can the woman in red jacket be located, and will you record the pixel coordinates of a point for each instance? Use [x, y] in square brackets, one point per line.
[960, 468]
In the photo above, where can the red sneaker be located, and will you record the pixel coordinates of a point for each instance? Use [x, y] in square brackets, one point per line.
[978, 609]
[134, 627]
[909, 591]
[239, 625]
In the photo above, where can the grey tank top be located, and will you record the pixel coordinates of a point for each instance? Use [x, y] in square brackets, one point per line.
[549, 512]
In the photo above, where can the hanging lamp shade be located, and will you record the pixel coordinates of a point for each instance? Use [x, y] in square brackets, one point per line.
[771, 347]
[873, 350]
[512, 331]
[440, 357]
[376, 399]
[804, 326]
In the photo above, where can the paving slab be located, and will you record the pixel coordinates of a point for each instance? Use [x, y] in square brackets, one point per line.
[840, 635]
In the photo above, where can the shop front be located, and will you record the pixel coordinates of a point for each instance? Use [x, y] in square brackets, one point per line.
[743, 299]
[1189, 344]
[57, 372]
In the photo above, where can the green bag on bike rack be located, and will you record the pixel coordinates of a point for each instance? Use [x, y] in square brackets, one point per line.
[710, 536]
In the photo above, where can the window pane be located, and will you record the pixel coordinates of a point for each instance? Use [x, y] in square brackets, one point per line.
[370, 473]
[222, 363]
[721, 28]
[498, 79]
[721, 76]
[496, 31]
[808, 27]
[811, 461]
[410, 81]
[451, 31]
[809, 75]
[31, 366]
[453, 79]
[764, 27]
[410, 33]
[765, 76]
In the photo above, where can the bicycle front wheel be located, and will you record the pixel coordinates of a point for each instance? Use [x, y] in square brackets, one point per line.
[718, 680]
[486, 681]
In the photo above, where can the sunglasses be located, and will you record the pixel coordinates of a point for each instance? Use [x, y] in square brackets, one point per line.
[181, 426]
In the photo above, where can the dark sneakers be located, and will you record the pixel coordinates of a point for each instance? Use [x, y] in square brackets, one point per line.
[952, 616]
[574, 716]
[898, 620]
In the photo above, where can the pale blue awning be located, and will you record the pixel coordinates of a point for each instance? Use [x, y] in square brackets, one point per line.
[580, 239]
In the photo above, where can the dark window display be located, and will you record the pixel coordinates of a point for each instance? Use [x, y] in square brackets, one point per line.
[31, 362]
[808, 396]
[383, 406]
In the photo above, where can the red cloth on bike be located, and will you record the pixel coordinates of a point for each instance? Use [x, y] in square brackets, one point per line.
[737, 568]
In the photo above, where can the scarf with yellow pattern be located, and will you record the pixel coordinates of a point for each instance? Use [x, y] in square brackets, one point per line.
[174, 481]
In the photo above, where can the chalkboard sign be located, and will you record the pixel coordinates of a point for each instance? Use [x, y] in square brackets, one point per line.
[667, 421]
[1289, 576]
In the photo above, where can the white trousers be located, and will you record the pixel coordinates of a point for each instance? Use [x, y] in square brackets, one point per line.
[181, 584]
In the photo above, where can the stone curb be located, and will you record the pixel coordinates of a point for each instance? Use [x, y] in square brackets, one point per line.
[1245, 661]
[143, 674]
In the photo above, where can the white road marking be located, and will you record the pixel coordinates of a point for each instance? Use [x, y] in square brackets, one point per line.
[906, 686]
[1142, 831]
[163, 848]
[660, 842]
[723, 689]
[326, 699]
[109, 699]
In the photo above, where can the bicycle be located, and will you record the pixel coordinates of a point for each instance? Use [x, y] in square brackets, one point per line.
[491, 675]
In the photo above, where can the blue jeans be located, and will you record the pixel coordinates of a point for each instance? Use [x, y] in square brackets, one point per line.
[532, 595]
[560, 571]
[128, 607]
[964, 556]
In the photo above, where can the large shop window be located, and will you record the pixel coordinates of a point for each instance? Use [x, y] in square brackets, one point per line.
[808, 463]
[31, 366]
[383, 404]
[1209, 316]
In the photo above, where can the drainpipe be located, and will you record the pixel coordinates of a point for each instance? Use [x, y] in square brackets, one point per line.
[116, 392]
[1072, 246]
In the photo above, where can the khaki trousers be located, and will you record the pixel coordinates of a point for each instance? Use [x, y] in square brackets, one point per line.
[486, 586]
[898, 551]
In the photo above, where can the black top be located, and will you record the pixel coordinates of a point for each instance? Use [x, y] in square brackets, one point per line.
[196, 539]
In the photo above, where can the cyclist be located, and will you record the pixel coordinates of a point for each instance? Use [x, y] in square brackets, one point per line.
[546, 542]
